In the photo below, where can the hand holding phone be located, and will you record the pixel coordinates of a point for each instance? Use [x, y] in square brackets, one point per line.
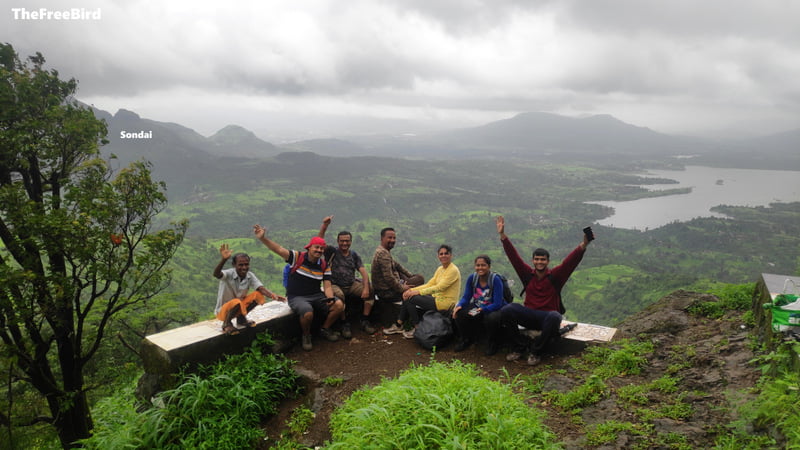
[589, 233]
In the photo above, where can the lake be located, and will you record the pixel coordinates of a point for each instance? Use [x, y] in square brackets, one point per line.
[711, 186]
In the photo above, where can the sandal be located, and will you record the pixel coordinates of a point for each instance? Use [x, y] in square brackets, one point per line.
[247, 323]
[230, 330]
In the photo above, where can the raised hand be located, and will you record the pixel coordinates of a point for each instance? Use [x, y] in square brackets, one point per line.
[501, 224]
[225, 251]
[259, 231]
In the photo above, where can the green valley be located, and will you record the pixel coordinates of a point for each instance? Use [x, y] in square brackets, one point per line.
[455, 202]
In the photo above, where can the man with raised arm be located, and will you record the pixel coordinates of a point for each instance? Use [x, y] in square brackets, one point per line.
[239, 290]
[542, 308]
[309, 269]
[345, 263]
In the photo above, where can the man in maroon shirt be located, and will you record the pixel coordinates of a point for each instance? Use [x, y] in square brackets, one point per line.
[542, 307]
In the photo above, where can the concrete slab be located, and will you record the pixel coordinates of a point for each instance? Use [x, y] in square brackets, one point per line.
[589, 332]
[781, 284]
[204, 342]
[584, 332]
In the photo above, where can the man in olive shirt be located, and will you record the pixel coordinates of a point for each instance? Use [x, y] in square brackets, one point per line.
[389, 278]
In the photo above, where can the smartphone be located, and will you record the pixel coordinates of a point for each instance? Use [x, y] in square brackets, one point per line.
[589, 233]
[474, 311]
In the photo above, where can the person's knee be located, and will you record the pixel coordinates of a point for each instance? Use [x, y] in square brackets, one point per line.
[507, 312]
[492, 319]
[415, 280]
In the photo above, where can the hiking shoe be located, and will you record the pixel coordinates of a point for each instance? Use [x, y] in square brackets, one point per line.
[409, 334]
[491, 348]
[394, 329]
[462, 345]
[328, 334]
[513, 356]
[367, 327]
[533, 360]
[567, 328]
[307, 342]
[346, 333]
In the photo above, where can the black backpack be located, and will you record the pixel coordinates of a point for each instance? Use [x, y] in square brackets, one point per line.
[551, 278]
[508, 296]
[434, 330]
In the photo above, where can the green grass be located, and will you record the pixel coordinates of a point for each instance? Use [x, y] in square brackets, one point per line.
[296, 425]
[438, 406]
[333, 381]
[218, 407]
[609, 432]
[772, 419]
[732, 297]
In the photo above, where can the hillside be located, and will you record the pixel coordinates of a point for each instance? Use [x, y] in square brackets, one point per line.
[601, 139]
[234, 140]
[678, 387]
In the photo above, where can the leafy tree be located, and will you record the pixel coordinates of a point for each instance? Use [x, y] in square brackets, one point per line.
[78, 245]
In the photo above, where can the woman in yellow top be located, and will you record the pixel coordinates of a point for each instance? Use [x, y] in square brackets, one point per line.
[440, 293]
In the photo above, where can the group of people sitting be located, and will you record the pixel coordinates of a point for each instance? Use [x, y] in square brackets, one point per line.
[323, 276]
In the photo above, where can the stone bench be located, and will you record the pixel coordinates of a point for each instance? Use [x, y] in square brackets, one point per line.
[204, 342]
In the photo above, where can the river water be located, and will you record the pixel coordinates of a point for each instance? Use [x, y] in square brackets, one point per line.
[711, 186]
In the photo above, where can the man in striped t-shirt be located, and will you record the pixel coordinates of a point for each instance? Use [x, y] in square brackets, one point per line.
[303, 288]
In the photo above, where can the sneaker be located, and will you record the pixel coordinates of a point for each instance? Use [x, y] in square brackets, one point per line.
[394, 329]
[367, 327]
[491, 349]
[328, 334]
[307, 342]
[409, 334]
[346, 333]
[567, 328]
[513, 356]
[533, 360]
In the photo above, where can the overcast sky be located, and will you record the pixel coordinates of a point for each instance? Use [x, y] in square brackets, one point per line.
[311, 68]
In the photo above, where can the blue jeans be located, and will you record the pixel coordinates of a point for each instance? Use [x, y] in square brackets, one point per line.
[515, 314]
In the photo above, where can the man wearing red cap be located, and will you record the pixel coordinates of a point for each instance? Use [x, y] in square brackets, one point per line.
[303, 288]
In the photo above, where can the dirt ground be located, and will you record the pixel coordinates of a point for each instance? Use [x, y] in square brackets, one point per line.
[719, 357]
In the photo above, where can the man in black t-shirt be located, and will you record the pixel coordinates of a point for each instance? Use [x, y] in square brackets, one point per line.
[345, 263]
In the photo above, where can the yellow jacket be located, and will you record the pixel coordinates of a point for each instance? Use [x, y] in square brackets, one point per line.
[445, 287]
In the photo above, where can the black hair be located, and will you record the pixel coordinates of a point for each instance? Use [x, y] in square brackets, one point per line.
[446, 247]
[344, 233]
[541, 252]
[383, 231]
[485, 258]
[237, 255]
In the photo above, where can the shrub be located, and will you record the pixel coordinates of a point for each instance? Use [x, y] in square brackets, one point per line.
[219, 407]
[438, 406]
[732, 297]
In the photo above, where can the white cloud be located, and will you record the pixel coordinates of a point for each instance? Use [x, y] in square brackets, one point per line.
[680, 66]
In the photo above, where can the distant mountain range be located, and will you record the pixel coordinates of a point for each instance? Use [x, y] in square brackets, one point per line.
[175, 148]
